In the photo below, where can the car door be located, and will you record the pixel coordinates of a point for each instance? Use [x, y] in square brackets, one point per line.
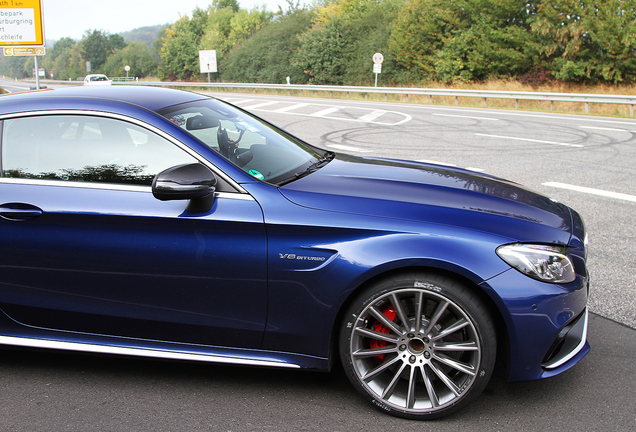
[85, 247]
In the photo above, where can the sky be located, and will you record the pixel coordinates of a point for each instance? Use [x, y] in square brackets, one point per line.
[71, 18]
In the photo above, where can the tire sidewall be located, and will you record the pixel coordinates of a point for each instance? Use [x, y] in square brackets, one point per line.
[456, 292]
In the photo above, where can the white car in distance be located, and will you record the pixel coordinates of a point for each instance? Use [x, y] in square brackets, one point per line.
[97, 79]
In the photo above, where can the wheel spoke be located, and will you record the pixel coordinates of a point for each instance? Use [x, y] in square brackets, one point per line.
[441, 308]
[388, 391]
[462, 367]
[384, 320]
[432, 395]
[379, 369]
[456, 346]
[445, 379]
[410, 396]
[460, 324]
[400, 311]
[377, 335]
[372, 352]
[419, 299]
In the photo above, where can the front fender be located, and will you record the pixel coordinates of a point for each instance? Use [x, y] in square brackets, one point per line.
[317, 259]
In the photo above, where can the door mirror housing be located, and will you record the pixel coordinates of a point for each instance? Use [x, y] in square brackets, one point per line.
[194, 182]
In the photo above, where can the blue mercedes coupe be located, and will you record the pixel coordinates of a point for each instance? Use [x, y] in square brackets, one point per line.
[163, 223]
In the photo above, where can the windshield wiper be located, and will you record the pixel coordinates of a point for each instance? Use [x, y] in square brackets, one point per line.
[328, 157]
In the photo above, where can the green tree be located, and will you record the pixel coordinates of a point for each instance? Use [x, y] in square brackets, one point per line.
[96, 46]
[180, 52]
[69, 64]
[463, 39]
[137, 55]
[584, 40]
[217, 31]
[267, 56]
[321, 54]
[14, 67]
[60, 49]
[116, 42]
[339, 47]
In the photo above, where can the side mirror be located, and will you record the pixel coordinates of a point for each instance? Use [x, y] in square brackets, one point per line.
[194, 182]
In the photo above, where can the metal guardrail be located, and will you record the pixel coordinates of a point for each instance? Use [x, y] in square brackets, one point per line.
[484, 94]
[126, 80]
[114, 79]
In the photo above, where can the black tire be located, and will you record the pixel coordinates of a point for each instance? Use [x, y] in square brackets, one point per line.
[422, 369]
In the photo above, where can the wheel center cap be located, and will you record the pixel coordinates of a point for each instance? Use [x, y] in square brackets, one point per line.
[416, 346]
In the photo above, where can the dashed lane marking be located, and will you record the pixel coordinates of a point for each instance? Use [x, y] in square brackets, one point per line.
[600, 192]
[468, 117]
[530, 140]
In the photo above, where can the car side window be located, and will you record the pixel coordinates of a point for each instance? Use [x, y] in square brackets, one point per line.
[86, 149]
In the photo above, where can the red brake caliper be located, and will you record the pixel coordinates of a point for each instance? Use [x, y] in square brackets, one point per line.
[390, 313]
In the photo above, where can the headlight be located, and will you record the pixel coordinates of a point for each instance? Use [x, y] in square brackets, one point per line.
[541, 262]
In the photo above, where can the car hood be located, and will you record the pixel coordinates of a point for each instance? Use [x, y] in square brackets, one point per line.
[432, 194]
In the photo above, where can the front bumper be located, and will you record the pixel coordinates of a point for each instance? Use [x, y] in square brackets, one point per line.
[570, 342]
[546, 323]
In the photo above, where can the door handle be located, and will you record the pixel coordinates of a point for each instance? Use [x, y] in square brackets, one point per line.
[19, 211]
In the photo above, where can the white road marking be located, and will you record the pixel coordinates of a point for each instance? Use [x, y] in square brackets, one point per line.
[616, 195]
[326, 111]
[237, 101]
[260, 105]
[530, 140]
[347, 148]
[604, 129]
[290, 107]
[435, 162]
[372, 116]
[465, 116]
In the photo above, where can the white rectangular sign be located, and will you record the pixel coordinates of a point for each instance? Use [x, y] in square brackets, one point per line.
[207, 61]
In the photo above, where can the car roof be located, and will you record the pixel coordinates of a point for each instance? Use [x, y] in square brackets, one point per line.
[151, 98]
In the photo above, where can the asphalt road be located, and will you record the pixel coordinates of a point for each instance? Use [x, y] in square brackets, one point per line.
[59, 391]
[45, 391]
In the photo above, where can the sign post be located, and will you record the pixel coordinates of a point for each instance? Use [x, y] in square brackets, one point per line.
[377, 65]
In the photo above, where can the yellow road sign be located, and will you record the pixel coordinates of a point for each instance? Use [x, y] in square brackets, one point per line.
[25, 51]
[21, 23]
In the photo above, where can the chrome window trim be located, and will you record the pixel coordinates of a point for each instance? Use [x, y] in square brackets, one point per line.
[139, 123]
[75, 184]
[107, 186]
[139, 352]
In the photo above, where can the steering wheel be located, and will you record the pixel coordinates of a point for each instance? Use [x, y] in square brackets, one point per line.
[227, 146]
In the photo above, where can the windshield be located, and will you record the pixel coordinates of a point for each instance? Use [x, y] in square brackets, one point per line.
[259, 149]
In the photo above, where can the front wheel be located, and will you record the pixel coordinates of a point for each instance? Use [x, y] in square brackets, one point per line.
[418, 346]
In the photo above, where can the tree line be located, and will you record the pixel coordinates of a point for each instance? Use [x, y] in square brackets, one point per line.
[333, 41]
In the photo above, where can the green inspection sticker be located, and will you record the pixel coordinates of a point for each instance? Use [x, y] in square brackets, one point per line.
[256, 174]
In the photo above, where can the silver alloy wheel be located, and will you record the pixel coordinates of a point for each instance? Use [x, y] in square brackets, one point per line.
[415, 350]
